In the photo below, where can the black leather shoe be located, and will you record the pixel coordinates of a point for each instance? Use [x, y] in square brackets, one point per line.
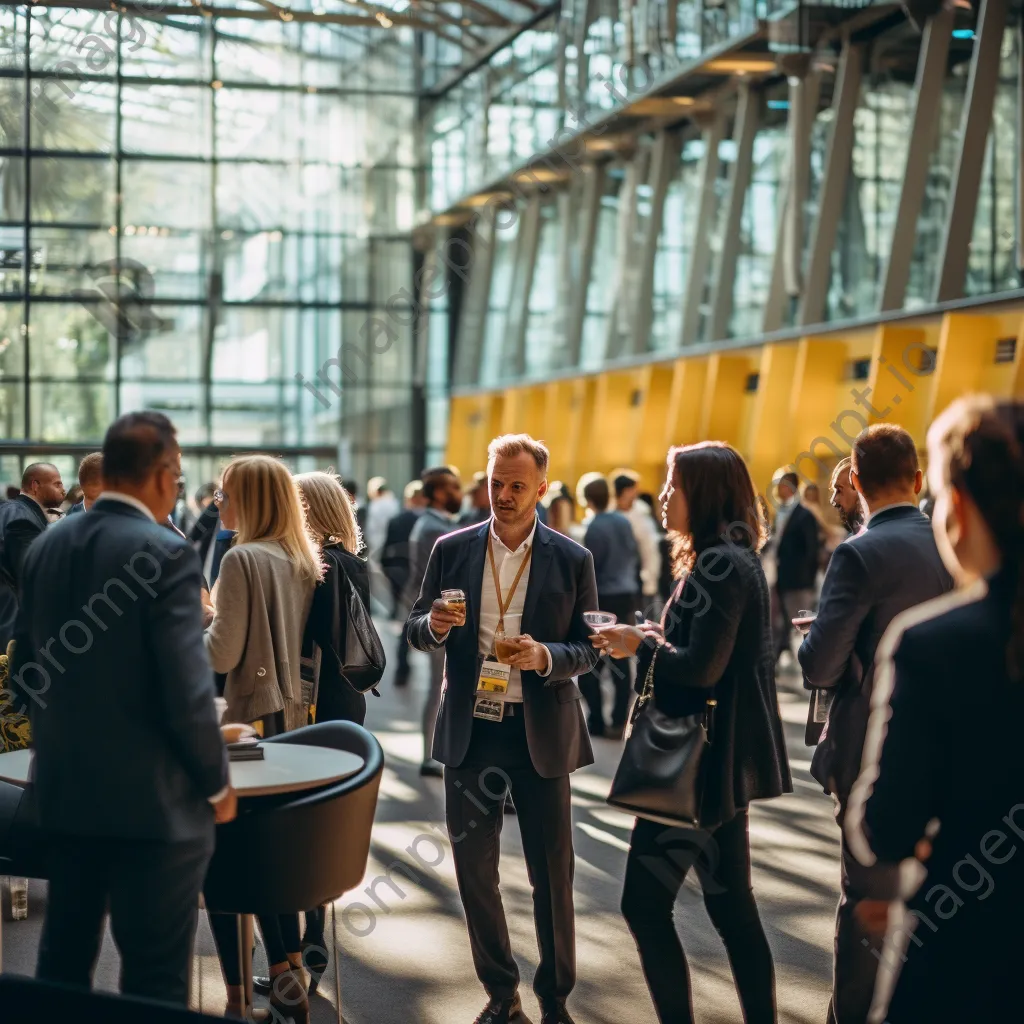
[503, 1011]
[555, 1014]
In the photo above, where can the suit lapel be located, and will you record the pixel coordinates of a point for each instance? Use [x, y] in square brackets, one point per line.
[540, 563]
[475, 578]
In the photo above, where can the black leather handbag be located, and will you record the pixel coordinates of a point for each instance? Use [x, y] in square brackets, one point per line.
[660, 775]
[364, 653]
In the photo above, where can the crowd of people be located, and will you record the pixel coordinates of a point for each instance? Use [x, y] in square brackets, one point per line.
[703, 590]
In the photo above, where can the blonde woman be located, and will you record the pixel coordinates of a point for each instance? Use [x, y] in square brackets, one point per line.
[332, 523]
[261, 602]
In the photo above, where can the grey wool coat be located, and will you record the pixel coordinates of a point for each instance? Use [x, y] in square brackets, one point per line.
[262, 603]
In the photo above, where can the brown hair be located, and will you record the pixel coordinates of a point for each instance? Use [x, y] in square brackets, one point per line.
[90, 469]
[510, 445]
[597, 493]
[883, 456]
[982, 446]
[721, 499]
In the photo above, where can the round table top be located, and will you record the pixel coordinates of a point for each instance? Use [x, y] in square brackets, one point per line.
[286, 768]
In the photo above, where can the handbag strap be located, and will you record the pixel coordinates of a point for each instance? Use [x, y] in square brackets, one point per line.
[647, 694]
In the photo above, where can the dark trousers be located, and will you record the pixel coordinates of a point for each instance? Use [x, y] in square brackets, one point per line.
[784, 606]
[498, 758]
[856, 965]
[280, 937]
[623, 606]
[659, 858]
[151, 891]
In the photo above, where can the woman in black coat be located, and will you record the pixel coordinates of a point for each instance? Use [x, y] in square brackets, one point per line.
[714, 642]
[331, 520]
[943, 774]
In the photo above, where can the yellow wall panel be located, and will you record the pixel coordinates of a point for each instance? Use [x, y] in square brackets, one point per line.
[900, 384]
[686, 399]
[649, 446]
[582, 403]
[767, 436]
[723, 401]
[967, 345]
[819, 391]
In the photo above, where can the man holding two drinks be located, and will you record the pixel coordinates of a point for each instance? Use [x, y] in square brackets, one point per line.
[505, 599]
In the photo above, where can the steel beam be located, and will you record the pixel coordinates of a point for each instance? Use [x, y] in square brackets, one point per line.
[931, 73]
[833, 185]
[664, 166]
[799, 173]
[625, 270]
[747, 116]
[975, 121]
[514, 349]
[589, 216]
[476, 304]
[700, 253]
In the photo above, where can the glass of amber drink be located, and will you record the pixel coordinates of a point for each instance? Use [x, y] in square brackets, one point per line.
[456, 602]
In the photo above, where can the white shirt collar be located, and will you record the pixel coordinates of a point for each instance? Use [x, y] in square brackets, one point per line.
[885, 508]
[127, 499]
[522, 547]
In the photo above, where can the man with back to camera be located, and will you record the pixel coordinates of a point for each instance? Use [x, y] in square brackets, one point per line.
[22, 520]
[612, 542]
[442, 491]
[90, 479]
[480, 501]
[515, 724]
[395, 561]
[626, 483]
[872, 577]
[129, 820]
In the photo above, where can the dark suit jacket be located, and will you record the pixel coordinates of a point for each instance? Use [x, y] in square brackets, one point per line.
[797, 551]
[871, 578]
[204, 530]
[719, 644]
[560, 590]
[21, 522]
[394, 558]
[79, 506]
[109, 651]
[950, 750]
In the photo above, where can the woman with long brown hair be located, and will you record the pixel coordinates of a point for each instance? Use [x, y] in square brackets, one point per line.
[714, 642]
[262, 599]
[943, 775]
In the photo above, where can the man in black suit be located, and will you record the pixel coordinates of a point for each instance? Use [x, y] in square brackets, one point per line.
[517, 725]
[130, 770]
[395, 560]
[795, 543]
[22, 520]
[871, 578]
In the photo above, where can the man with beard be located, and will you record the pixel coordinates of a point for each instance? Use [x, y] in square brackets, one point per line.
[845, 499]
[514, 723]
[442, 492]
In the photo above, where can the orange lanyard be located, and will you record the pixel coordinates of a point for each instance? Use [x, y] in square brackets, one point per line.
[503, 606]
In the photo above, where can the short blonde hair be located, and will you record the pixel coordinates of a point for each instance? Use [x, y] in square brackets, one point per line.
[268, 505]
[329, 513]
[510, 445]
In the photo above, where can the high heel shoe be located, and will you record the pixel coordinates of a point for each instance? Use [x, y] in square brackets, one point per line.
[288, 998]
[314, 959]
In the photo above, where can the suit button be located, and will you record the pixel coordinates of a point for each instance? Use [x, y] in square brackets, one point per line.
[261, 672]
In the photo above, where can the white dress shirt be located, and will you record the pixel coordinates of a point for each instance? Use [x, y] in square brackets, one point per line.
[507, 563]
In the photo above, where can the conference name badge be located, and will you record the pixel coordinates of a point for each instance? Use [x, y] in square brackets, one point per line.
[493, 677]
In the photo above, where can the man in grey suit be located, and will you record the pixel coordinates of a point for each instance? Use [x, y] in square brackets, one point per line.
[872, 577]
[442, 491]
[130, 771]
[516, 724]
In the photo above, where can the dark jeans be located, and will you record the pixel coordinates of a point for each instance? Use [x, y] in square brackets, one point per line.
[151, 890]
[621, 670]
[498, 756]
[280, 937]
[659, 858]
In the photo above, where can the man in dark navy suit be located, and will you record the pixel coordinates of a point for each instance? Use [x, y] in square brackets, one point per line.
[22, 520]
[872, 577]
[516, 724]
[130, 770]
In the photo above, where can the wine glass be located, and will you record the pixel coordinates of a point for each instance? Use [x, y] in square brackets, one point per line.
[598, 621]
[803, 619]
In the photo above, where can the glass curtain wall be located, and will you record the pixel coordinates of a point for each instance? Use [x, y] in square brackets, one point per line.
[193, 211]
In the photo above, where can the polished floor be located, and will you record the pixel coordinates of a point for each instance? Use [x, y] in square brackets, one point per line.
[405, 955]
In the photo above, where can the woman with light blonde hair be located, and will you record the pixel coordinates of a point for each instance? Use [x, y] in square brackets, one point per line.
[262, 599]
